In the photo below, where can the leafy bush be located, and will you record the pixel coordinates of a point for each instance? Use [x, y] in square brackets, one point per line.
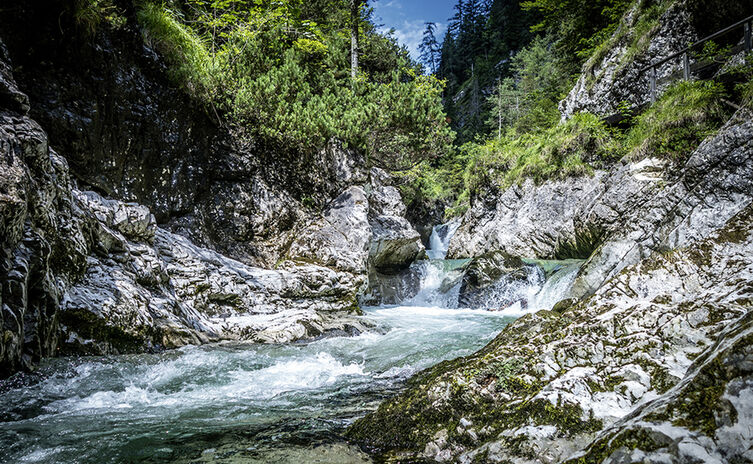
[277, 75]
[676, 124]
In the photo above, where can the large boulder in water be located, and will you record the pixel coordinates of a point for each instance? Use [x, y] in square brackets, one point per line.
[395, 243]
[496, 280]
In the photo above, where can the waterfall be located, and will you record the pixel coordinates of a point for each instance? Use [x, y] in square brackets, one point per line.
[539, 284]
[439, 241]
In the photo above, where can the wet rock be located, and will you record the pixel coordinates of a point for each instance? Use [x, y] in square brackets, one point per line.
[395, 243]
[42, 242]
[164, 292]
[549, 385]
[490, 272]
[390, 289]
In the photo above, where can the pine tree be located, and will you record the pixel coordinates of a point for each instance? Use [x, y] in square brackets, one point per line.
[429, 48]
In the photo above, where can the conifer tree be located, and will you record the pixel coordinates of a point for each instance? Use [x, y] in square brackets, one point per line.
[429, 48]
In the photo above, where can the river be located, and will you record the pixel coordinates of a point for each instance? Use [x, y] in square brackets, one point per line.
[233, 403]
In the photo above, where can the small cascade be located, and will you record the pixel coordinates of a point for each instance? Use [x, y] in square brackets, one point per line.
[539, 284]
[558, 283]
[439, 241]
[440, 283]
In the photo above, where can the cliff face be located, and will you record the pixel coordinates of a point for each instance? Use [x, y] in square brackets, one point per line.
[106, 103]
[132, 220]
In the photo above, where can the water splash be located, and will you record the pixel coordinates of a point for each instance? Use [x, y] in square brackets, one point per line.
[440, 284]
[439, 241]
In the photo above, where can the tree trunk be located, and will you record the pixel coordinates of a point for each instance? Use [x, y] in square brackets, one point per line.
[355, 17]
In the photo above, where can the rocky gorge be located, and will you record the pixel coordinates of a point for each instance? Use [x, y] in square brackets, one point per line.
[603, 317]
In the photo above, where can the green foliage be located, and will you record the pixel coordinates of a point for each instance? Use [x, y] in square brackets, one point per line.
[190, 61]
[273, 71]
[439, 180]
[671, 129]
[635, 30]
[676, 124]
[476, 53]
[89, 15]
[579, 25]
[558, 152]
[543, 81]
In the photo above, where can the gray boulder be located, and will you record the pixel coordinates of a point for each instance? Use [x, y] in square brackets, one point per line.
[340, 238]
[395, 243]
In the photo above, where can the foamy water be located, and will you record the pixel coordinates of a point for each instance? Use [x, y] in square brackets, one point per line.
[243, 402]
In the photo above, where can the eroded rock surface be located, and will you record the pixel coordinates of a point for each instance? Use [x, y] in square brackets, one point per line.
[615, 78]
[545, 387]
[395, 244]
[618, 217]
[81, 273]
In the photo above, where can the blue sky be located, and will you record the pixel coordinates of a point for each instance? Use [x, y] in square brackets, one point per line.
[408, 18]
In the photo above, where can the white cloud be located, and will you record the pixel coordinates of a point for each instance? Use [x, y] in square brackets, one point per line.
[410, 34]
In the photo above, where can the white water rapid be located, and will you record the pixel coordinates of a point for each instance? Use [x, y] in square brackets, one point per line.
[251, 403]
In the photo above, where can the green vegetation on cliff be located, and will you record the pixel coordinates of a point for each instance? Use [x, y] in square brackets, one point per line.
[280, 72]
[524, 136]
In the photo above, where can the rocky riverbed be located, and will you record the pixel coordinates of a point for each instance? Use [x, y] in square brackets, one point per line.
[172, 292]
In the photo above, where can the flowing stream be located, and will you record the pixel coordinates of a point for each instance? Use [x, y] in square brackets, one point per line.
[233, 403]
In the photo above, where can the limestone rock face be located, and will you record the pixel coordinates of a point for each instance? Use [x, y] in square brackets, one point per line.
[162, 291]
[551, 382]
[81, 273]
[527, 220]
[614, 79]
[395, 244]
[340, 238]
[663, 212]
[43, 243]
[620, 216]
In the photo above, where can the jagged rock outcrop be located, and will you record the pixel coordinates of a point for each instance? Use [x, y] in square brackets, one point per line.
[85, 274]
[550, 382]
[340, 237]
[396, 244]
[615, 79]
[127, 131]
[676, 209]
[526, 220]
[42, 243]
[612, 81]
[618, 217]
